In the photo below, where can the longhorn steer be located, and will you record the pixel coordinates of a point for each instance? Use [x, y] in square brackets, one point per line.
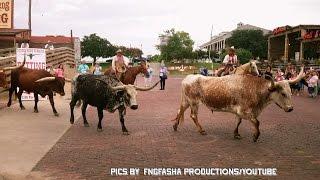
[104, 92]
[243, 95]
[40, 82]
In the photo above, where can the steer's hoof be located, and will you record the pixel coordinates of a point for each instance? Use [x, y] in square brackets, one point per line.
[71, 121]
[237, 136]
[203, 132]
[22, 108]
[175, 127]
[99, 130]
[36, 111]
[86, 125]
[8, 104]
[255, 139]
[125, 133]
[56, 114]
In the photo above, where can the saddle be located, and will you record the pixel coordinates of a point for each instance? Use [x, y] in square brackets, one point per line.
[226, 70]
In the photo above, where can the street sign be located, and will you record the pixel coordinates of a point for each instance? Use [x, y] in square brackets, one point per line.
[6, 14]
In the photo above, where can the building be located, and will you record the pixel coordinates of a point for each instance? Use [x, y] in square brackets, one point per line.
[57, 41]
[297, 43]
[9, 38]
[218, 42]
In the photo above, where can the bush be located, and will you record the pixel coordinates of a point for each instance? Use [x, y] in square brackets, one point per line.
[244, 55]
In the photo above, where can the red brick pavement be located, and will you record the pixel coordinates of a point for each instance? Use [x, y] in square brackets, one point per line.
[289, 142]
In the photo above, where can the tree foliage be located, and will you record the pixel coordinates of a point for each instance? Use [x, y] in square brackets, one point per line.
[251, 40]
[179, 45]
[95, 46]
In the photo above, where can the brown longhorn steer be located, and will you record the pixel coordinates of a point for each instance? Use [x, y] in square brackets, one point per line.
[131, 73]
[40, 82]
[243, 95]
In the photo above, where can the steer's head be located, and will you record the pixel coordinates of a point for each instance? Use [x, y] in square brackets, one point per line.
[281, 92]
[56, 84]
[130, 93]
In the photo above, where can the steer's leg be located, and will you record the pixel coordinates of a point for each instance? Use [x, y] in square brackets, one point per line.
[11, 90]
[100, 115]
[52, 104]
[256, 134]
[73, 102]
[36, 100]
[83, 110]
[194, 116]
[180, 115]
[121, 115]
[236, 133]
[20, 101]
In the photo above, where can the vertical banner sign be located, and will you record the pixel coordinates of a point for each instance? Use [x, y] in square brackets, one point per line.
[6, 14]
[35, 59]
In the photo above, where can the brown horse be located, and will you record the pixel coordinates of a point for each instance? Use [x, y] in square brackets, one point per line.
[248, 68]
[129, 76]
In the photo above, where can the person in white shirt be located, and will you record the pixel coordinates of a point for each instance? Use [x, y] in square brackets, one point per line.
[148, 77]
[230, 62]
[49, 45]
[119, 63]
[24, 44]
[313, 84]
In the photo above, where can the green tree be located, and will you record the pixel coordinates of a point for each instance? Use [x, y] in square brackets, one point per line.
[178, 46]
[251, 40]
[95, 46]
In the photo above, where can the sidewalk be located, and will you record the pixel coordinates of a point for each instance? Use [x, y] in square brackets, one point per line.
[27, 136]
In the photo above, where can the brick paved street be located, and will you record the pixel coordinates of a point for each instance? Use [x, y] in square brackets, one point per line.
[289, 142]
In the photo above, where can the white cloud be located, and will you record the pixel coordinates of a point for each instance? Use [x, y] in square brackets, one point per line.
[138, 22]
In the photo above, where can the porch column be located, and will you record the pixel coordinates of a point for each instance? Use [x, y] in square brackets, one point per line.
[269, 47]
[301, 51]
[286, 48]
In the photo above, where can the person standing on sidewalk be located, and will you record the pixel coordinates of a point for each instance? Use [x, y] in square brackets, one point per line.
[163, 74]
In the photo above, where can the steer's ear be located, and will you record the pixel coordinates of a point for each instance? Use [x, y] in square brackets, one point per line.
[275, 87]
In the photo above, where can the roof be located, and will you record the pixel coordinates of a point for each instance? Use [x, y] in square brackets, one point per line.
[53, 39]
[8, 32]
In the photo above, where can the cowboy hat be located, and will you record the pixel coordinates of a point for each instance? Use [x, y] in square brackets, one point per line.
[119, 51]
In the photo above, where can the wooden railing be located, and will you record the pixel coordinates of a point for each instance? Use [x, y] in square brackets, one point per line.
[7, 52]
[63, 55]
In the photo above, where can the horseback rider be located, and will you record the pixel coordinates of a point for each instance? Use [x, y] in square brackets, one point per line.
[230, 61]
[119, 63]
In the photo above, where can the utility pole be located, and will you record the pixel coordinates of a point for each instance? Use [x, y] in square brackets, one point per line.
[210, 48]
[29, 15]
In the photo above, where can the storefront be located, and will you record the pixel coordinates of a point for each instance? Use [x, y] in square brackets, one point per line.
[299, 43]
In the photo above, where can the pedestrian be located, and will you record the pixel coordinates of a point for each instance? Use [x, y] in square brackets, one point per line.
[279, 75]
[49, 45]
[148, 77]
[163, 74]
[59, 72]
[269, 71]
[24, 44]
[83, 68]
[313, 85]
[97, 69]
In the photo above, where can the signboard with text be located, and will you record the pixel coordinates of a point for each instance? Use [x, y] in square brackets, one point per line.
[6, 14]
[35, 59]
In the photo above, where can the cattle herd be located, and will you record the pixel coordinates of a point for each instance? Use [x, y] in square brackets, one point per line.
[243, 94]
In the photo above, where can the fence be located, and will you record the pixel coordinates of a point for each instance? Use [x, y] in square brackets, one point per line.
[63, 55]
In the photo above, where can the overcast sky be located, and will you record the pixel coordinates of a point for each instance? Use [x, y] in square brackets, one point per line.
[136, 22]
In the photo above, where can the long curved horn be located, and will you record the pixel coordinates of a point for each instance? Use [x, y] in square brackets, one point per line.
[113, 88]
[298, 78]
[146, 89]
[46, 79]
[16, 67]
[67, 80]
